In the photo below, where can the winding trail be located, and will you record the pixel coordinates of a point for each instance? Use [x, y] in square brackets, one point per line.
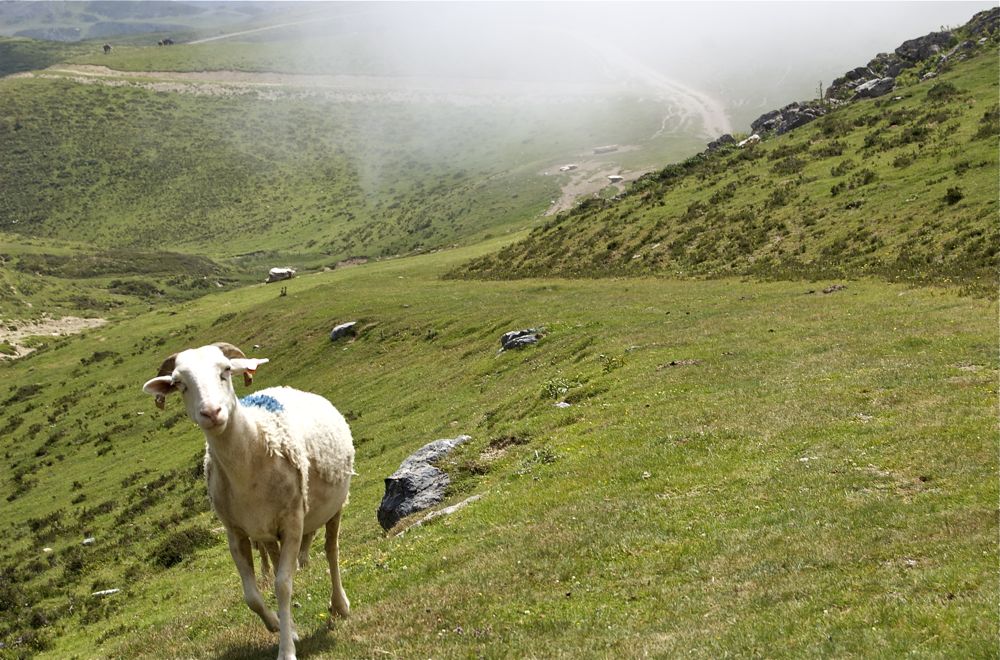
[696, 105]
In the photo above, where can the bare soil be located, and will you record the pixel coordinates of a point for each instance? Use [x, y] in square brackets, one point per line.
[15, 332]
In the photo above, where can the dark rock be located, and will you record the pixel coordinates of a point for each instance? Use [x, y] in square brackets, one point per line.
[416, 485]
[985, 22]
[915, 50]
[874, 88]
[766, 122]
[861, 73]
[344, 330]
[519, 338]
[722, 141]
[896, 68]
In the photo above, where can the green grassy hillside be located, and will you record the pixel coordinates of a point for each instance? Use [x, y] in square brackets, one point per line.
[903, 187]
[73, 21]
[744, 469]
[255, 175]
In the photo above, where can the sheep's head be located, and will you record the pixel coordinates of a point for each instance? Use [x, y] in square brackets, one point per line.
[203, 376]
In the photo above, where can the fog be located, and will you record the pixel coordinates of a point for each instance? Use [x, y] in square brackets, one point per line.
[727, 62]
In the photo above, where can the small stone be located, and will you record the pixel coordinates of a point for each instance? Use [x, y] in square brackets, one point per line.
[105, 592]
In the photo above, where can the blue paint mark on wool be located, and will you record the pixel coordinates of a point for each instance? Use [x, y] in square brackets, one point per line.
[268, 403]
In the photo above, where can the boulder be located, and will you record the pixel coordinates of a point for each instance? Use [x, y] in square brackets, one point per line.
[278, 274]
[722, 141]
[519, 338]
[417, 484]
[874, 88]
[344, 330]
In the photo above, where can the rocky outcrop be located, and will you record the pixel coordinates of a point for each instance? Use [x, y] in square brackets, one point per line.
[791, 116]
[984, 24]
[932, 52]
[873, 88]
[915, 50]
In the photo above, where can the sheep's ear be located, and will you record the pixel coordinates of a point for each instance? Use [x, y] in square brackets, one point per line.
[160, 387]
[246, 366]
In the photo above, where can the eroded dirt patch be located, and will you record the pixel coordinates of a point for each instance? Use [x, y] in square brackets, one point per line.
[15, 332]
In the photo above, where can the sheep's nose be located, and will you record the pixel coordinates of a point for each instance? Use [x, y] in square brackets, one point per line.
[211, 412]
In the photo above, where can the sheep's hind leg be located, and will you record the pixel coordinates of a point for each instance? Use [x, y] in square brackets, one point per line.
[307, 540]
[339, 605]
[273, 551]
[242, 552]
[291, 541]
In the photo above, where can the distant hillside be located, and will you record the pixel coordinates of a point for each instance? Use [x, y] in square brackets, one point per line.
[902, 187]
[259, 174]
[75, 21]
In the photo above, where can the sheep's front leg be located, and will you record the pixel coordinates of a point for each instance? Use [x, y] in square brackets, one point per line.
[291, 540]
[339, 605]
[242, 552]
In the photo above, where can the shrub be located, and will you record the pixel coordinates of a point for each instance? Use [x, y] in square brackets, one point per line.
[787, 166]
[942, 91]
[843, 167]
[180, 545]
[953, 195]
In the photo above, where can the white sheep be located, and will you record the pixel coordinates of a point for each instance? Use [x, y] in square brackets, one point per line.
[278, 465]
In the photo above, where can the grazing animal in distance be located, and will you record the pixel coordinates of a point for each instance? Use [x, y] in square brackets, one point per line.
[278, 464]
[107, 48]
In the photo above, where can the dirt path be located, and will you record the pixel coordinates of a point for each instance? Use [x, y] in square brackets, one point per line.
[278, 26]
[68, 325]
[588, 179]
[693, 104]
[348, 88]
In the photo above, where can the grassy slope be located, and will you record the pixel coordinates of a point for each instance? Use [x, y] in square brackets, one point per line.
[820, 481]
[17, 55]
[864, 190]
[128, 21]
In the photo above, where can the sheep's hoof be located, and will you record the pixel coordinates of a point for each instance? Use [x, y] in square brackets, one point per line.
[271, 623]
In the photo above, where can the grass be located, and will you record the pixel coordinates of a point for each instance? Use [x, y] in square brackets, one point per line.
[746, 468]
[903, 187]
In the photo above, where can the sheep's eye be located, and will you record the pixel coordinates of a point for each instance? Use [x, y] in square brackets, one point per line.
[181, 387]
[226, 373]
